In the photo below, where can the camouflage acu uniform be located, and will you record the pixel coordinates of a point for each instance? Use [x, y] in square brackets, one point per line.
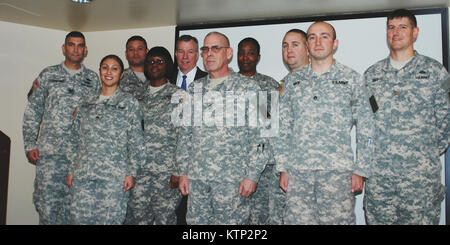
[216, 158]
[152, 201]
[411, 131]
[317, 113]
[267, 203]
[107, 144]
[52, 102]
[130, 83]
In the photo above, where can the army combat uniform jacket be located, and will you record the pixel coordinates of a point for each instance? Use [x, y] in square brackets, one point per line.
[160, 134]
[152, 202]
[51, 107]
[131, 83]
[222, 153]
[107, 141]
[316, 116]
[412, 119]
[266, 83]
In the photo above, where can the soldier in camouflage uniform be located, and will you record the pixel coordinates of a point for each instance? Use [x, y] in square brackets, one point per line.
[52, 101]
[155, 197]
[411, 116]
[295, 52]
[106, 150]
[218, 158]
[267, 203]
[319, 106]
[134, 80]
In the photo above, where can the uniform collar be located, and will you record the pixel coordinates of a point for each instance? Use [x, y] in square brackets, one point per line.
[161, 90]
[388, 67]
[83, 68]
[333, 68]
[115, 99]
[231, 76]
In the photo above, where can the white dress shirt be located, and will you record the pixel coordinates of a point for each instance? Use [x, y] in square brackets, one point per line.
[189, 79]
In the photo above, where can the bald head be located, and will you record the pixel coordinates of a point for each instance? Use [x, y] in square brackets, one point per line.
[216, 52]
[323, 23]
[225, 38]
[321, 41]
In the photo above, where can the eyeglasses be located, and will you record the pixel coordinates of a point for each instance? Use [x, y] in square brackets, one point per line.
[159, 62]
[213, 49]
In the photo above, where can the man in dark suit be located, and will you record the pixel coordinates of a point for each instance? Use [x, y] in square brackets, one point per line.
[186, 55]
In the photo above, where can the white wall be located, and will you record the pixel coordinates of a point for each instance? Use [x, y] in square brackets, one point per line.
[24, 52]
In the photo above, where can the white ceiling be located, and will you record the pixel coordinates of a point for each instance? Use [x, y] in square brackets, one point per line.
[126, 14]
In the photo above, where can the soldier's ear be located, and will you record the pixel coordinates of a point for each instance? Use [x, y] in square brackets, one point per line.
[85, 51]
[229, 53]
[63, 49]
[415, 33]
[335, 44]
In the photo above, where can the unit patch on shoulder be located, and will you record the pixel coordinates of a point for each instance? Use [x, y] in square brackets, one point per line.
[35, 83]
[33, 88]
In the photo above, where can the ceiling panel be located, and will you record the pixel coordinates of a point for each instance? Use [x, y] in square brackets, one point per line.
[126, 14]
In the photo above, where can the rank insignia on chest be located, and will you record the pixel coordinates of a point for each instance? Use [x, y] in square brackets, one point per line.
[395, 92]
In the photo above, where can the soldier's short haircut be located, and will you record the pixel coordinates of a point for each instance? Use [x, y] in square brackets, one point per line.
[252, 41]
[159, 52]
[332, 28]
[74, 34]
[114, 57]
[400, 13]
[187, 38]
[136, 38]
[297, 31]
[220, 34]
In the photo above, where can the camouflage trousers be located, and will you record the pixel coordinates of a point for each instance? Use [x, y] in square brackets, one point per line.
[319, 198]
[216, 203]
[51, 194]
[268, 201]
[152, 202]
[98, 202]
[402, 200]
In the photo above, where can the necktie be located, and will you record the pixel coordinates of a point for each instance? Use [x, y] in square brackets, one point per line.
[183, 84]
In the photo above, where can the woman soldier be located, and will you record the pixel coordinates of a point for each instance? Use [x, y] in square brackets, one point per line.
[155, 197]
[107, 150]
